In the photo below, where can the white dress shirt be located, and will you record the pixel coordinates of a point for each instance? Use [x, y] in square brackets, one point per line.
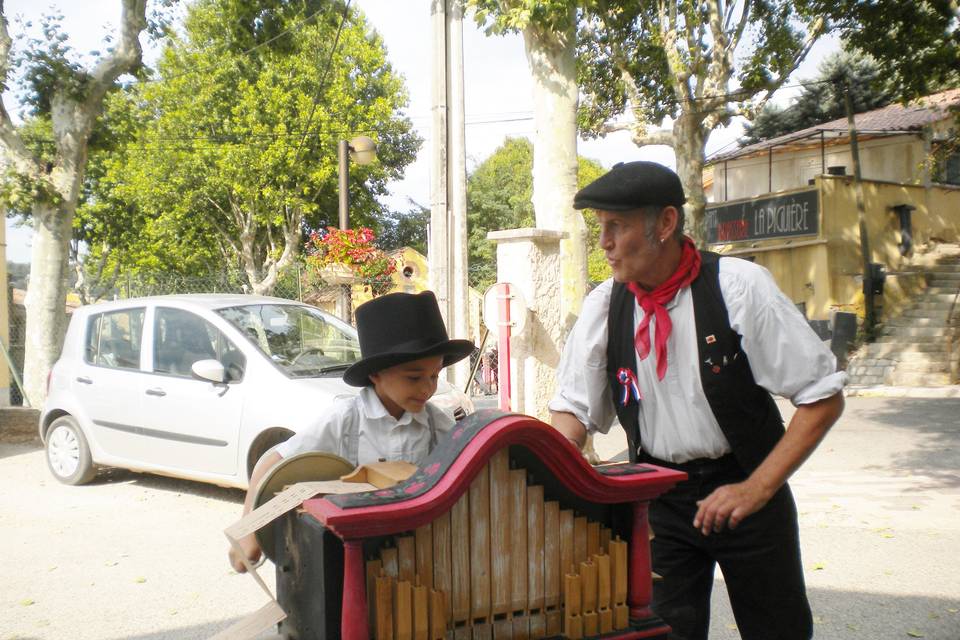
[381, 436]
[676, 424]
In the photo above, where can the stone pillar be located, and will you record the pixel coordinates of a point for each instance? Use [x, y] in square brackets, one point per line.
[529, 259]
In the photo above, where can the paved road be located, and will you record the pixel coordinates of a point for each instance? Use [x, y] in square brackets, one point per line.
[143, 557]
[879, 506]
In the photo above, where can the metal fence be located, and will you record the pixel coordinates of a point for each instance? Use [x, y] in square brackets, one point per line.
[293, 284]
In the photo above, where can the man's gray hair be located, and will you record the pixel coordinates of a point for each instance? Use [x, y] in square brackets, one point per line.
[651, 213]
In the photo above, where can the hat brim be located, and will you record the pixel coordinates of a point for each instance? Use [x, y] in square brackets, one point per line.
[310, 466]
[358, 375]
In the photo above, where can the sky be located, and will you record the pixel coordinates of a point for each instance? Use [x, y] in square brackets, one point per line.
[498, 101]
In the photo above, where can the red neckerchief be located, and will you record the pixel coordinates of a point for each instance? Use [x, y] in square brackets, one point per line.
[652, 304]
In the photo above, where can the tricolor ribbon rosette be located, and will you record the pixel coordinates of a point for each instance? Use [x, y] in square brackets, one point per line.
[628, 380]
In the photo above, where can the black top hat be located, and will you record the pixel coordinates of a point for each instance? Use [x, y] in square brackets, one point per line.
[632, 185]
[398, 328]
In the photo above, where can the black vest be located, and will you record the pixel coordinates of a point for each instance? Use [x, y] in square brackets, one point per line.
[748, 416]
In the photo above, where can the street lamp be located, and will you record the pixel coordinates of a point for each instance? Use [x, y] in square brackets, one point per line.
[361, 150]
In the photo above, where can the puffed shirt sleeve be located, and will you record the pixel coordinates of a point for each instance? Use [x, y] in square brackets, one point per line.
[786, 357]
[582, 386]
[325, 434]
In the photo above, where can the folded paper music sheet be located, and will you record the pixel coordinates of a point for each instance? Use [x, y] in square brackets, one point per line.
[290, 498]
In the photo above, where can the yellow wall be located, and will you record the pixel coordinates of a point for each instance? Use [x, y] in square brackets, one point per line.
[825, 271]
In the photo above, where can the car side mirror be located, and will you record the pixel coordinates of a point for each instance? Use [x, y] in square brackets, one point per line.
[210, 369]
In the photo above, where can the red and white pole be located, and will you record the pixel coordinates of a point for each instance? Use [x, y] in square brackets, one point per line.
[503, 345]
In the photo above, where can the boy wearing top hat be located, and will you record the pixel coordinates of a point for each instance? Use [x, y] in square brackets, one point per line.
[404, 346]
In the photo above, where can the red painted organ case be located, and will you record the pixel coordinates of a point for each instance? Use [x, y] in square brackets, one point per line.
[504, 532]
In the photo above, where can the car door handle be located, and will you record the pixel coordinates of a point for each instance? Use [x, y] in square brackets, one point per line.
[156, 392]
[84, 380]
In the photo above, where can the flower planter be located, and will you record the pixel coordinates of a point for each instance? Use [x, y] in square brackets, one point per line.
[338, 274]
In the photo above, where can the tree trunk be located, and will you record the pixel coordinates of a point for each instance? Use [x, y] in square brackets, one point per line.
[46, 293]
[552, 62]
[690, 142]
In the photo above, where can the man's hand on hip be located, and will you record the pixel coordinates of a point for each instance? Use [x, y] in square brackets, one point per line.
[728, 505]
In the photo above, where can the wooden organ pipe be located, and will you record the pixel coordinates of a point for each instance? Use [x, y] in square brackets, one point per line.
[503, 563]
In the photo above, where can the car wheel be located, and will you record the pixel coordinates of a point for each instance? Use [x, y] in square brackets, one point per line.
[68, 455]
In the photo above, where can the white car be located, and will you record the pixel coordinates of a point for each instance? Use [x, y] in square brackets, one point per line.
[195, 386]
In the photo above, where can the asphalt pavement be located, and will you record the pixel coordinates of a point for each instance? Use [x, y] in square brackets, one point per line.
[143, 557]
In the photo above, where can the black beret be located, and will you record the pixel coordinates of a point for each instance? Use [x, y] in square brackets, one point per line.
[631, 185]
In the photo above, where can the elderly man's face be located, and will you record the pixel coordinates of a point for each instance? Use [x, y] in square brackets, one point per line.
[632, 256]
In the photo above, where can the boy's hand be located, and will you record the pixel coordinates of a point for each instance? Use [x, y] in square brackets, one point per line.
[251, 550]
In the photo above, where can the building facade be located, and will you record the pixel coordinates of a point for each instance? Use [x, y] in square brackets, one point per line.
[790, 203]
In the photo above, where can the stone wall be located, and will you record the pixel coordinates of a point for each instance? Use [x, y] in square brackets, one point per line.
[18, 424]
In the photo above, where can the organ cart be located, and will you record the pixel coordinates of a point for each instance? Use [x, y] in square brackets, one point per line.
[504, 532]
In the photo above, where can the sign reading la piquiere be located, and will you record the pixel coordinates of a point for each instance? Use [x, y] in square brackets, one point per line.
[793, 214]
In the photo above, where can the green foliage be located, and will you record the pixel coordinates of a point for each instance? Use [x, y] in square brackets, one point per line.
[636, 38]
[19, 192]
[820, 101]
[237, 132]
[46, 67]
[499, 196]
[916, 43]
[405, 229]
[614, 40]
[513, 16]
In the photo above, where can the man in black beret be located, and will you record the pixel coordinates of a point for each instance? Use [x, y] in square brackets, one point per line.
[684, 348]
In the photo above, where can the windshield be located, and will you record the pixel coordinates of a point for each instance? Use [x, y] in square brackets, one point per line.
[302, 341]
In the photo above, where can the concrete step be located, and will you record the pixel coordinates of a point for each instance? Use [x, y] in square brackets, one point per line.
[866, 381]
[892, 353]
[940, 340]
[926, 312]
[935, 305]
[916, 333]
[919, 320]
[943, 279]
[923, 367]
[907, 379]
[922, 351]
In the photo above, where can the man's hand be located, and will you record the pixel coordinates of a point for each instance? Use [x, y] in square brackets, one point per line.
[727, 506]
[250, 548]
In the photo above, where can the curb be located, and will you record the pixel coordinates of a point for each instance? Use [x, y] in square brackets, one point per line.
[884, 391]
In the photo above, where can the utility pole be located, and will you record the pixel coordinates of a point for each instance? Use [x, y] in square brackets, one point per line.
[869, 319]
[448, 209]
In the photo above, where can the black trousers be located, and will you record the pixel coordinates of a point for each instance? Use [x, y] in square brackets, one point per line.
[760, 561]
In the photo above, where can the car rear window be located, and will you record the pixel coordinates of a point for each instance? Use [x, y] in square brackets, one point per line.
[114, 338]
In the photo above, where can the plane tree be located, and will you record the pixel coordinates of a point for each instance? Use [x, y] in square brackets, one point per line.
[243, 119]
[45, 160]
[671, 72]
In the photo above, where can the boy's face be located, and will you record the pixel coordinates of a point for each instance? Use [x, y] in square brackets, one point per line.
[407, 386]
